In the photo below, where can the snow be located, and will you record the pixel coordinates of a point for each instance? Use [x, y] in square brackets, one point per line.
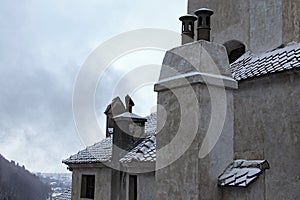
[241, 173]
[129, 115]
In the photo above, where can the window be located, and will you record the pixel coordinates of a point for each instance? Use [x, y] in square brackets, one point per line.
[235, 49]
[132, 187]
[87, 186]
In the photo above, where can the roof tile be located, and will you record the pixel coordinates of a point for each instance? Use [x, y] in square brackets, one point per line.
[241, 173]
[102, 151]
[250, 65]
[64, 196]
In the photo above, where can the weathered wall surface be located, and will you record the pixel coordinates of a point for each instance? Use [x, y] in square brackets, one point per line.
[146, 186]
[102, 182]
[267, 124]
[189, 176]
[230, 20]
[260, 25]
[291, 22]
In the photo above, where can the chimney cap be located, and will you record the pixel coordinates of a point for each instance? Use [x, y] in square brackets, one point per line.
[188, 16]
[204, 10]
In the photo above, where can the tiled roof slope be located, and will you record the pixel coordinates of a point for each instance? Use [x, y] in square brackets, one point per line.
[102, 151]
[99, 152]
[250, 65]
[241, 173]
[145, 151]
[150, 125]
[64, 196]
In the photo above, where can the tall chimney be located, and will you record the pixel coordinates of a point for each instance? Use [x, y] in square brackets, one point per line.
[203, 28]
[188, 24]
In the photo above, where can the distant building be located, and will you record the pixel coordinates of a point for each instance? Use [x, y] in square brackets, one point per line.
[246, 82]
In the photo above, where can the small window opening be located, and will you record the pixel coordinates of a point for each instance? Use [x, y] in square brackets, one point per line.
[190, 27]
[235, 49]
[132, 187]
[87, 186]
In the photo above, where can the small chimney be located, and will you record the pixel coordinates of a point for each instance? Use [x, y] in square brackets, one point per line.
[114, 109]
[203, 28]
[129, 104]
[188, 24]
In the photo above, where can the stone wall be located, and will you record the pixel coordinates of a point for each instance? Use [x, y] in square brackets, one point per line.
[146, 186]
[267, 124]
[102, 182]
[261, 25]
[182, 173]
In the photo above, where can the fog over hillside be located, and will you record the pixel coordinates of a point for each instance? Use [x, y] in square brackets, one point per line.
[17, 183]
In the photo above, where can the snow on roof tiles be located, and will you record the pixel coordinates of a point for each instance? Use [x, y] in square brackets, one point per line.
[250, 65]
[241, 173]
[99, 152]
[64, 196]
[102, 151]
[129, 115]
[145, 151]
[150, 125]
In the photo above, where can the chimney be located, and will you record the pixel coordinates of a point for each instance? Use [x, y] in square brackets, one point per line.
[128, 128]
[203, 28]
[114, 109]
[188, 24]
[129, 104]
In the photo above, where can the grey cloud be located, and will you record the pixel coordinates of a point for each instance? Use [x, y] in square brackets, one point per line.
[42, 46]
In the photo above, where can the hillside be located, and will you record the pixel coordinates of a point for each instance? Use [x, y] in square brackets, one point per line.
[16, 183]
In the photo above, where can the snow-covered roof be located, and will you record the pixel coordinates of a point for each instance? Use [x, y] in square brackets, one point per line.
[250, 65]
[64, 196]
[129, 115]
[99, 152]
[102, 151]
[241, 173]
[145, 151]
[150, 125]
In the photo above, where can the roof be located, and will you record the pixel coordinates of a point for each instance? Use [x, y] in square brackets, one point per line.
[150, 125]
[145, 151]
[129, 115]
[241, 173]
[102, 151]
[250, 65]
[116, 101]
[99, 152]
[64, 196]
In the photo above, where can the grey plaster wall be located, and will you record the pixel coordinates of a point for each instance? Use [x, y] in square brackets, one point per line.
[146, 186]
[291, 22]
[189, 176]
[267, 126]
[261, 25]
[102, 182]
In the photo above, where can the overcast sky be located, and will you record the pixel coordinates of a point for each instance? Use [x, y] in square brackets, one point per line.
[43, 44]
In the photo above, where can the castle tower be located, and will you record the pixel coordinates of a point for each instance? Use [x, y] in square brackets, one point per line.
[195, 118]
[260, 25]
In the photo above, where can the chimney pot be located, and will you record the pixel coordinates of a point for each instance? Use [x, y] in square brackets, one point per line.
[188, 24]
[203, 27]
